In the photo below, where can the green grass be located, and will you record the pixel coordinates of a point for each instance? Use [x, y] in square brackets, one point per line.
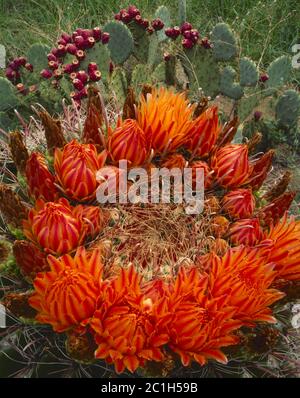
[267, 29]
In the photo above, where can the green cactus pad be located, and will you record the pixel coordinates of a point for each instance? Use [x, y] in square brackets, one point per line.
[141, 75]
[288, 108]
[202, 70]
[181, 11]
[121, 41]
[5, 122]
[164, 14]
[118, 86]
[66, 87]
[159, 74]
[155, 52]
[248, 72]
[279, 71]
[8, 97]
[227, 85]
[99, 54]
[247, 104]
[224, 41]
[37, 56]
[141, 42]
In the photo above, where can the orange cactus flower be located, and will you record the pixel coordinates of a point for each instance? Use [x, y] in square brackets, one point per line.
[92, 217]
[66, 296]
[245, 275]
[200, 326]
[54, 227]
[208, 173]
[231, 165]
[129, 326]
[76, 166]
[128, 142]
[284, 242]
[245, 232]
[174, 160]
[166, 119]
[40, 180]
[239, 203]
[29, 258]
[204, 132]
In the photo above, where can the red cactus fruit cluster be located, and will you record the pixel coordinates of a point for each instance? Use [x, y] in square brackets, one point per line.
[14, 71]
[190, 36]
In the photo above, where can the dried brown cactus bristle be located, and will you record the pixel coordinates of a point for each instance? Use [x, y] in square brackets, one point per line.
[201, 107]
[280, 187]
[254, 141]
[53, 132]
[80, 347]
[11, 206]
[17, 304]
[129, 105]
[228, 132]
[18, 151]
[4, 251]
[146, 89]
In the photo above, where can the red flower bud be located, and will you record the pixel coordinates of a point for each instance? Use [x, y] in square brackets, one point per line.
[105, 37]
[46, 74]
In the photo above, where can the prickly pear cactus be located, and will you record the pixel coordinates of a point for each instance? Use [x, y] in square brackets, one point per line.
[121, 41]
[37, 56]
[163, 13]
[247, 103]
[248, 73]
[224, 42]
[8, 98]
[101, 56]
[118, 86]
[279, 72]
[228, 86]
[141, 42]
[181, 11]
[141, 75]
[288, 109]
[202, 70]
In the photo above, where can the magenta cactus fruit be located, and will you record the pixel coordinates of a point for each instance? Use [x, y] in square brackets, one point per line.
[186, 26]
[125, 17]
[257, 115]
[82, 76]
[157, 24]
[71, 48]
[264, 77]
[206, 43]
[187, 43]
[133, 11]
[95, 75]
[78, 84]
[29, 67]
[79, 42]
[145, 23]
[68, 68]
[97, 33]
[92, 66]
[51, 57]
[46, 73]
[53, 65]
[80, 54]
[105, 37]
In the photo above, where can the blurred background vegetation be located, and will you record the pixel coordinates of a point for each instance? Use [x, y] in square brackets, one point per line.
[267, 29]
